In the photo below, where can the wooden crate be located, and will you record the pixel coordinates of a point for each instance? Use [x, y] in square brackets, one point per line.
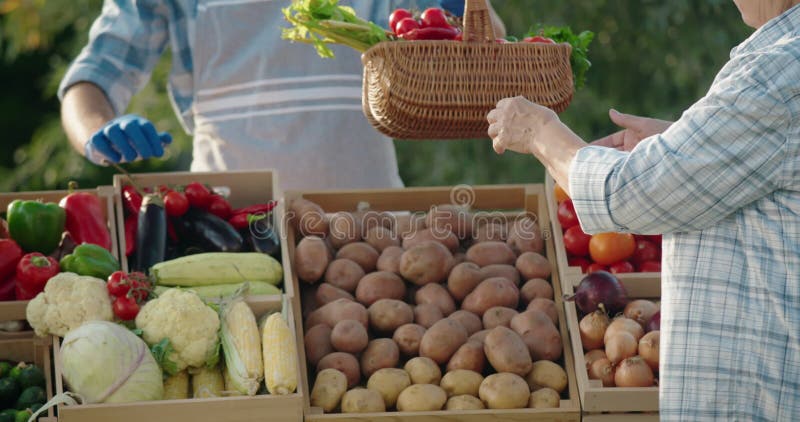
[564, 269]
[620, 417]
[595, 397]
[509, 200]
[224, 409]
[15, 310]
[242, 188]
[36, 350]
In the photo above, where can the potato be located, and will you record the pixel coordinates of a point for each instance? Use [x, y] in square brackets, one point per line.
[407, 224]
[547, 306]
[445, 237]
[311, 258]
[480, 336]
[344, 229]
[488, 253]
[380, 353]
[426, 315]
[389, 382]
[380, 285]
[349, 336]
[546, 374]
[385, 315]
[539, 333]
[497, 316]
[408, 338]
[504, 391]
[344, 274]
[536, 288]
[525, 236]
[427, 262]
[362, 400]
[318, 343]
[442, 340]
[471, 322]
[459, 257]
[380, 238]
[464, 402]
[308, 218]
[495, 291]
[533, 265]
[463, 279]
[461, 381]
[390, 259]
[423, 370]
[437, 295]
[327, 293]
[530, 320]
[469, 356]
[361, 253]
[421, 398]
[506, 351]
[330, 386]
[545, 398]
[501, 270]
[336, 311]
[344, 362]
[371, 218]
[490, 232]
[454, 218]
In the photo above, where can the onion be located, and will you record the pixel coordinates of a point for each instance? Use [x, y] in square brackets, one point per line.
[624, 324]
[641, 311]
[634, 372]
[599, 288]
[593, 355]
[648, 349]
[655, 322]
[621, 346]
[602, 370]
[592, 328]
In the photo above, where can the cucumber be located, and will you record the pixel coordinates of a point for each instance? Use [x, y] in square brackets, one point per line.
[214, 268]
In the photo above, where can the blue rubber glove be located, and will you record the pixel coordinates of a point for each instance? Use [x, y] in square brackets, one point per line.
[125, 139]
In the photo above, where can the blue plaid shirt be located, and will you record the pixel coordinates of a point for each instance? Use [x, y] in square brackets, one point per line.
[722, 185]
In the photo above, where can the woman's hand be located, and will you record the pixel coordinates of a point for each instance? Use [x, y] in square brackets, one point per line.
[515, 123]
[636, 129]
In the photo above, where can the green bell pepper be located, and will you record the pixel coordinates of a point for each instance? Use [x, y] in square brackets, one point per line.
[35, 225]
[90, 259]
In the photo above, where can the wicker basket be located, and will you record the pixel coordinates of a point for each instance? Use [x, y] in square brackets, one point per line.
[444, 89]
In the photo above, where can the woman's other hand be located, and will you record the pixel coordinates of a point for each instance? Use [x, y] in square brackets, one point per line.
[515, 123]
[635, 129]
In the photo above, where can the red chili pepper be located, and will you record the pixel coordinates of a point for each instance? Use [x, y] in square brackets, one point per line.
[432, 33]
[131, 225]
[33, 271]
[10, 254]
[7, 288]
[239, 221]
[86, 222]
[255, 209]
[132, 199]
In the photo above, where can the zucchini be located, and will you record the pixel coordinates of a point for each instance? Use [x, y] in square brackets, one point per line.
[211, 268]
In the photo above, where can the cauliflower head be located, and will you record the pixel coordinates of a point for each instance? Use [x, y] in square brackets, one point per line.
[68, 300]
[191, 326]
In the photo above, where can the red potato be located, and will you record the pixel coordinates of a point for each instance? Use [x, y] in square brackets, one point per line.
[380, 238]
[344, 274]
[386, 315]
[336, 311]
[448, 217]
[318, 343]
[536, 288]
[408, 337]
[380, 285]
[380, 353]
[437, 295]
[349, 336]
[447, 238]
[308, 218]
[547, 306]
[344, 362]
[327, 293]
[311, 258]
[469, 356]
[507, 352]
[390, 259]
[463, 279]
[498, 316]
[495, 291]
[442, 340]
[488, 253]
[344, 229]
[471, 322]
[426, 315]
[361, 253]
[501, 270]
[425, 263]
[525, 235]
[490, 232]
[533, 265]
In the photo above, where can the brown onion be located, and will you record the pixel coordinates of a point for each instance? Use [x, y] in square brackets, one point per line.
[634, 372]
[620, 346]
[648, 349]
[624, 324]
[593, 355]
[602, 370]
[592, 328]
[641, 311]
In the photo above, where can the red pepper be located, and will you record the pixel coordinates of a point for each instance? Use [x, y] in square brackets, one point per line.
[20, 293]
[239, 221]
[4, 229]
[132, 199]
[432, 33]
[10, 254]
[539, 39]
[33, 271]
[86, 222]
[7, 287]
[131, 225]
[255, 209]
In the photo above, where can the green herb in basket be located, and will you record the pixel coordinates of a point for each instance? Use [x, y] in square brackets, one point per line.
[322, 22]
[580, 48]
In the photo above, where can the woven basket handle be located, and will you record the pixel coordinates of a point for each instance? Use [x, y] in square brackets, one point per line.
[478, 22]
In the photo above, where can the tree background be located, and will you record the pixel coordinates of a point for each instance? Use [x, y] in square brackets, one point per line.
[649, 57]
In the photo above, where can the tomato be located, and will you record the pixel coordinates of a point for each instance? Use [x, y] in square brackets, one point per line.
[220, 207]
[406, 25]
[579, 261]
[576, 242]
[539, 39]
[566, 214]
[434, 17]
[596, 267]
[645, 251]
[164, 189]
[175, 204]
[117, 284]
[125, 308]
[608, 248]
[135, 284]
[140, 285]
[560, 194]
[620, 267]
[198, 195]
[650, 267]
[501, 41]
[397, 16]
[655, 238]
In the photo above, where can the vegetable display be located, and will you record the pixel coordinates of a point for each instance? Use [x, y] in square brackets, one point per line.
[68, 301]
[35, 226]
[22, 390]
[85, 219]
[90, 260]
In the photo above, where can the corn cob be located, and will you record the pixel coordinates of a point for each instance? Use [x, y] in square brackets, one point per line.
[241, 346]
[280, 356]
[217, 268]
[207, 382]
[177, 386]
[229, 390]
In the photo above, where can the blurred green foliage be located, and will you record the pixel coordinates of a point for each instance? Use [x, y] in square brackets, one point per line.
[649, 57]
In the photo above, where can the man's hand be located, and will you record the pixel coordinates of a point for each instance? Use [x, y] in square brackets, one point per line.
[636, 129]
[515, 123]
[125, 139]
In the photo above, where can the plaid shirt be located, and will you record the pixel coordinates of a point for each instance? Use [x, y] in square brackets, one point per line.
[722, 185]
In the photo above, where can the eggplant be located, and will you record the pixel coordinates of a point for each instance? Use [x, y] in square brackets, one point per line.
[151, 234]
[208, 232]
[262, 237]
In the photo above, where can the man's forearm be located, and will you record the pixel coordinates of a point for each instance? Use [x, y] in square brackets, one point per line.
[84, 110]
[555, 146]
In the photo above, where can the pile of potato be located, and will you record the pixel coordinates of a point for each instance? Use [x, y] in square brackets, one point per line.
[425, 312]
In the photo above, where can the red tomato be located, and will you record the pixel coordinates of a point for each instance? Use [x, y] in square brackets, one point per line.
[125, 308]
[650, 267]
[566, 214]
[539, 39]
[397, 16]
[576, 242]
[620, 267]
[164, 189]
[596, 267]
[117, 284]
[655, 238]
[176, 204]
[608, 248]
[135, 284]
[645, 251]
[198, 195]
[579, 261]
[220, 207]
[434, 17]
[406, 25]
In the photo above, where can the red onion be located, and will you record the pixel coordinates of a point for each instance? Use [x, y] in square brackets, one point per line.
[655, 322]
[599, 287]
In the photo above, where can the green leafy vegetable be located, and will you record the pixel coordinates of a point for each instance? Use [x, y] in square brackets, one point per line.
[161, 352]
[323, 22]
[580, 48]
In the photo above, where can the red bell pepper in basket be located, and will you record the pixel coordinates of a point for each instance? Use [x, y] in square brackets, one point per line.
[33, 271]
[10, 254]
[86, 222]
